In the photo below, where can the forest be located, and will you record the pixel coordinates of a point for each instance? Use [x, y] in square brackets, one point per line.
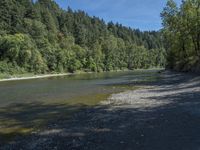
[182, 35]
[40, 37]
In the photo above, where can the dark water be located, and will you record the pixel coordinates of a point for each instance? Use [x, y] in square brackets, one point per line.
[86, 89]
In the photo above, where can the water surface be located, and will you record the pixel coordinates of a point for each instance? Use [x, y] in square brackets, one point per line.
[67, 88]
[30, 105]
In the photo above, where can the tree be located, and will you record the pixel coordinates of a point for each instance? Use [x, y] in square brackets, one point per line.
[19, 49]
[181, 31]
[41, 37]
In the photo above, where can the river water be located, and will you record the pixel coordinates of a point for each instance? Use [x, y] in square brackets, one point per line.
[27, 106]
[86, 89]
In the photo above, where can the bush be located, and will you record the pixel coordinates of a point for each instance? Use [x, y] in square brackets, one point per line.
[9, 68]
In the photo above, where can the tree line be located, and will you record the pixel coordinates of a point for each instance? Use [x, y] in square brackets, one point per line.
[182, 35]
[40, 37]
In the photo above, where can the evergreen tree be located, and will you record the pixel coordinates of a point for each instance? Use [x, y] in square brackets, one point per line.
[41, 37]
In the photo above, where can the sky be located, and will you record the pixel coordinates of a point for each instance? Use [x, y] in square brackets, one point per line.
[138, 14]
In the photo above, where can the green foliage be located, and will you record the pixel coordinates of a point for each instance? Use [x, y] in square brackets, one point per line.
[19, 49]
[40, 37]
[182, 34]
[9, 68]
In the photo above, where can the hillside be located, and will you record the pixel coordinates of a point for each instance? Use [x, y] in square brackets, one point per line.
[41, 37]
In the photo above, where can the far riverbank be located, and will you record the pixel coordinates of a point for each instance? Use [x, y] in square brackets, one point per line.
[32, 76]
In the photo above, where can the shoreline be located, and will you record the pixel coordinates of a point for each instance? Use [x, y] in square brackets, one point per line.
[35, 77]
[172, 104]
[45, 76]
[17, 78]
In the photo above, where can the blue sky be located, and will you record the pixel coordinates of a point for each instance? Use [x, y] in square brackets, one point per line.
[141, 14]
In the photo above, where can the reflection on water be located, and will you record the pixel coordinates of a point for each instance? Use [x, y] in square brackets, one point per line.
[32, 104]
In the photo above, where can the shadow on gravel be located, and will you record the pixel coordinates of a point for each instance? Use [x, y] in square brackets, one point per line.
[22, 119]
[174, 126]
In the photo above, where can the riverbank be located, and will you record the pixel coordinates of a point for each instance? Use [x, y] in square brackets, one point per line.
[22, 77]
[32, 76]
[158, 94]
[29, 76]
[163, 114]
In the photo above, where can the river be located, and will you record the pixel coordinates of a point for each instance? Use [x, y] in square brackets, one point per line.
[69, 89]
[27, 106]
